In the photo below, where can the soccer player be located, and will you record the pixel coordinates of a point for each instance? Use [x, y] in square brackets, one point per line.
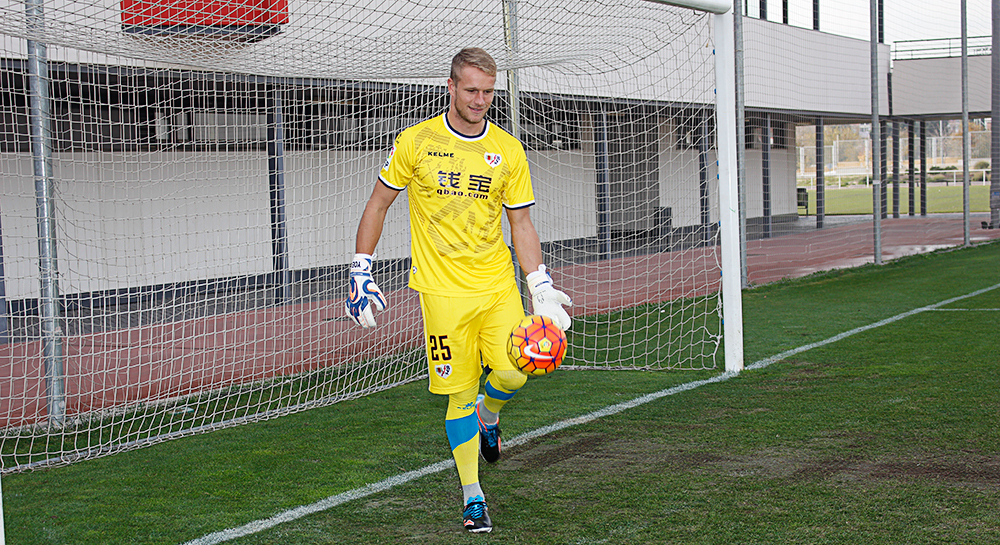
[461, 172]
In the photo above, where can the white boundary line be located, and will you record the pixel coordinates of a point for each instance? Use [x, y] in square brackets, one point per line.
[403, 478]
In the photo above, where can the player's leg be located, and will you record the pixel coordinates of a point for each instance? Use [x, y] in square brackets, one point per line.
[463, 436]
[453, 356]
[504, 381]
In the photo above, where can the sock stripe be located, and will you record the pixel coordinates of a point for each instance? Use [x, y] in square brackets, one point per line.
[461, 430]
[493, 392]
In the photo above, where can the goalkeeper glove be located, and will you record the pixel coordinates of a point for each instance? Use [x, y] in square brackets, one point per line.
[548, 301]
[363, 293]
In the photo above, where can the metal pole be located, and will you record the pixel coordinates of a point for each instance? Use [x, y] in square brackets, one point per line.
[765, 162]
[276, 179]
[923, 168]
[965, 126]
[884, 171]
[512, 38]
[703, 192]
[876, 135]
[4, 328]
[3, 534]
[820, 174]
[995, 126]
[40, 114]
[729, 213]
[603, 184]
[741, 142]
[911, 138]
[895, 169]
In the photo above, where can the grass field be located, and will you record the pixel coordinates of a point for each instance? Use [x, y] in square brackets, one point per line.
[940, 199]
[888, 435]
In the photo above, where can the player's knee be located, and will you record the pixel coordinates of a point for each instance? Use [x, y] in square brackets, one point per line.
[462, 404]
[510, 381]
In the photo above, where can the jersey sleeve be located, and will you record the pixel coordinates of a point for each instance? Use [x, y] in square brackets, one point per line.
[519, 193]
[397, 170]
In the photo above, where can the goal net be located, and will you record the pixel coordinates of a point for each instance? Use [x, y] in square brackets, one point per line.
[181, 191]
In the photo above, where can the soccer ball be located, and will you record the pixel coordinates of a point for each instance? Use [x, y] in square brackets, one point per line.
[536, 345]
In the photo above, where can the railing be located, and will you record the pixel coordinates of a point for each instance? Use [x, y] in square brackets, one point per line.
[940, 47]
[854, 157]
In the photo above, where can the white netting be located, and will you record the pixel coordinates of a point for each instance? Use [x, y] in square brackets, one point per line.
[206, 193]
[378, 40]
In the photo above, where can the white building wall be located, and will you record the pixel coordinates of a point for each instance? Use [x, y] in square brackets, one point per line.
[145, 220]
[934, 86]
[800, 70]
[680, 185]
[783, 199]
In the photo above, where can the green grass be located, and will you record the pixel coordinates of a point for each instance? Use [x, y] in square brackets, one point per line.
[886, 436]
[940, 199]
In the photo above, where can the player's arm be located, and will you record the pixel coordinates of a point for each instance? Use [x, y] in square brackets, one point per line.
[373, 218]
[545, 299]
[363, 293]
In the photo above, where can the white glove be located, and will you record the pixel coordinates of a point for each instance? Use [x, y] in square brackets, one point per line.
[363, 292]
[548, 301]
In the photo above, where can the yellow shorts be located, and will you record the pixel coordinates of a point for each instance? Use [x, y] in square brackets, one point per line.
[465, 333]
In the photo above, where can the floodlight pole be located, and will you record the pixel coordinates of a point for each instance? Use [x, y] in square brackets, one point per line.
[876, 136]
[965, 126]
[741, 168]
[995, 114]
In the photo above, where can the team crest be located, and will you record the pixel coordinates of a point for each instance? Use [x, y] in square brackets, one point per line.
[493, 159]
[388, 159]
[443, 370]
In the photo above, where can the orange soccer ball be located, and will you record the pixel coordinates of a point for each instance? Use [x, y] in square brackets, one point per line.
[536, 345]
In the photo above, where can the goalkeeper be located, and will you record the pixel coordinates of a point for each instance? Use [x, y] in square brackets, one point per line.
[461, 172]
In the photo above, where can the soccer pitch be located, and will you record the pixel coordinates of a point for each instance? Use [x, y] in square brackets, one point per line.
[867, 413]
[940, 199]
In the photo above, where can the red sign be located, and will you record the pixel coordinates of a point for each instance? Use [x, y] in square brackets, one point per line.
[204, 13]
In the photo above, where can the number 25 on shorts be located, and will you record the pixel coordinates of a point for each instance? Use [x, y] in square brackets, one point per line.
[439, 350]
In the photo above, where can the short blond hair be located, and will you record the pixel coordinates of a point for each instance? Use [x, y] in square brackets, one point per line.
[475, 57]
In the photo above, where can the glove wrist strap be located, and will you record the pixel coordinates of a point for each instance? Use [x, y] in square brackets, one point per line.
[537, 278]
[361, 262]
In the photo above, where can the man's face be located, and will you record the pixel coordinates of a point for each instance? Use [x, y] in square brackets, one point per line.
[471, 97]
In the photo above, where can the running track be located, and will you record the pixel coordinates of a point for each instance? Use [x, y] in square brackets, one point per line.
[159, 362]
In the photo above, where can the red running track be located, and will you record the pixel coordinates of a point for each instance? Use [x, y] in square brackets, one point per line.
[158, 362]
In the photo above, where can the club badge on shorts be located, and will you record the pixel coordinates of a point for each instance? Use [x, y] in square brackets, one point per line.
[443, 370]
[493, 159]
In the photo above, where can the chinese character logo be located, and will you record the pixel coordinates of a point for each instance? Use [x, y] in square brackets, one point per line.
[449, 179]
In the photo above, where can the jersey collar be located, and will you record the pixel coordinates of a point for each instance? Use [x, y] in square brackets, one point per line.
[466, 137]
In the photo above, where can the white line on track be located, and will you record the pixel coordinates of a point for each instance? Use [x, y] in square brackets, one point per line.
[403, 478]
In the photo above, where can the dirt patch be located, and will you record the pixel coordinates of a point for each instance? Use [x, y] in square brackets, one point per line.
[552, 453]
[979, 472]
[608, 455]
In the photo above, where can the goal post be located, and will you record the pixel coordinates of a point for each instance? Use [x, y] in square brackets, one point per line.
[726, 121]
[717, 7]
[207, 187]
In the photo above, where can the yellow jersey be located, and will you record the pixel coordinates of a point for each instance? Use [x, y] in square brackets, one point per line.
[458, 186]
